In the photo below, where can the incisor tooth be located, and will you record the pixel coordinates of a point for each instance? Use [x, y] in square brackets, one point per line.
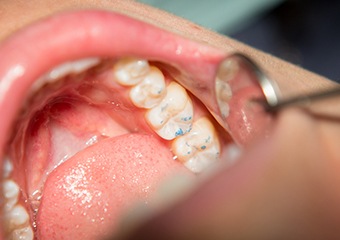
[130, 71]
[174, 115]
[150, 91]
[199, 148]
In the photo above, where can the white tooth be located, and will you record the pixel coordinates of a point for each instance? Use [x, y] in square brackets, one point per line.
[174, 115]
[25, 233]
[17, 216]
[199, 148]
[223, 94]
[72, 67]
[64, 69]
[7, 168]
[130, 71]
[225, 74]
[11, 193]
[150, 91]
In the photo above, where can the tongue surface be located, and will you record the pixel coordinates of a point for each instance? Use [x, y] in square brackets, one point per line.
[84, 197]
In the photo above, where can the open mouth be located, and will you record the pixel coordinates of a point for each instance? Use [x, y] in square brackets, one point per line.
[101, 108]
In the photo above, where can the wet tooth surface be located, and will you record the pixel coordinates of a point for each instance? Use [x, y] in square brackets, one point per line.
[174, 115]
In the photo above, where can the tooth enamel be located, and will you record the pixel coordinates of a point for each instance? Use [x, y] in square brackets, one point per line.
[223, 94]
[174, 115]
[11, 193]
[199, 148]
[17, 216]
[130, 71]
[64, 69]
[225, 74]
[25, 233]
[150, 91]
[7, 168]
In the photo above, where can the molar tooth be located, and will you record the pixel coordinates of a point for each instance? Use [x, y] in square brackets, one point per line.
[199, 148]
[130, 71]
[174, 115]
[225, 74]
[150, 91]
[223, 93]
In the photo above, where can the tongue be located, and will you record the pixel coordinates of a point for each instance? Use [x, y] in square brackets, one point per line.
[85, 196]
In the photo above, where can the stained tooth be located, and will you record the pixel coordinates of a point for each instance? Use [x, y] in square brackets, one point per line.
[174, 115]
[199, 148]
[225, 74]
[11, 193]
[25, 233]
[17, 216]
[150, 91]
[130, 71]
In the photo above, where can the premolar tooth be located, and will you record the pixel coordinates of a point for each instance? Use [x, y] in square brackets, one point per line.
[16, 217]
[174, 115]
[25, 233]
[150, 91]
[7, 168]
[130, 71]
[199, 148]
[11, 194]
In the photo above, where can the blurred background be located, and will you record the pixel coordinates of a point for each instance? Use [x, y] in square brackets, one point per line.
[304, 32]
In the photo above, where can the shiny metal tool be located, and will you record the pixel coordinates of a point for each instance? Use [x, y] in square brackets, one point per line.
[273, 101]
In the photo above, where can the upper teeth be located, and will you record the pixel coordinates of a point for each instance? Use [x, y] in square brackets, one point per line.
[199, 148]
[170, 112]
[130, 71]
[174, 115]
[150, 91]
[64, 69]
[225, 73]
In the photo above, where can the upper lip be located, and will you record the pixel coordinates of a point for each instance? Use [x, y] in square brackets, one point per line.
[75, 35]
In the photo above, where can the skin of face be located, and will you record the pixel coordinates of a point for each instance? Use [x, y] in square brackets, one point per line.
[290, 190]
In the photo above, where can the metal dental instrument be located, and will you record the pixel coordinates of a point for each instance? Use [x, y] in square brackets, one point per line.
[273, 102]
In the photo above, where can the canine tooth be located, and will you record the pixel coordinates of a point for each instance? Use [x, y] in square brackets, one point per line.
[11, 193]
[17, 216]
[199, 148]
[130, 71]
[174, 115]
[150, 91]
[25, 233]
